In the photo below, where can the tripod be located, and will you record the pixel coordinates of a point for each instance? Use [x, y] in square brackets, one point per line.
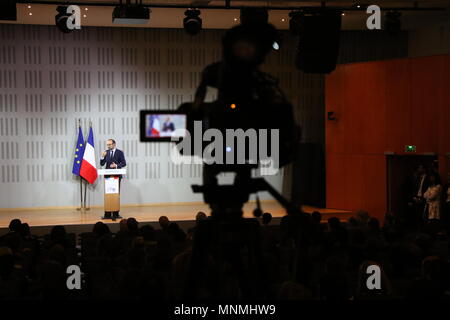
[227, 247]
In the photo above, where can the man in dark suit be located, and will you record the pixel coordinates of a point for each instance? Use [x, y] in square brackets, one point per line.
[113, 158]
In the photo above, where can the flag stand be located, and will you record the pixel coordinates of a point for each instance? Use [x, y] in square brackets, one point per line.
[81, 194]
[82, 206]
[85, 188]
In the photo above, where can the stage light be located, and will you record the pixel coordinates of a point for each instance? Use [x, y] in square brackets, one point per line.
[318, 40]
[392, 22]
[275, 46]
[131, 14]
[192, 23]
[254, 16]
[8, 10]
[61, 19]
[294, 22]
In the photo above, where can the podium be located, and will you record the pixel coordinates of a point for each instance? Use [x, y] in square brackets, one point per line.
[111, 187]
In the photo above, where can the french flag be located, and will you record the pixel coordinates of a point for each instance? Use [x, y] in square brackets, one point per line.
[88, 169]
[156, 127]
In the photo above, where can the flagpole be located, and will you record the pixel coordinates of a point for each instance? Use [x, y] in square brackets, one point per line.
[85, 182]
[81, 180]
[85, 188]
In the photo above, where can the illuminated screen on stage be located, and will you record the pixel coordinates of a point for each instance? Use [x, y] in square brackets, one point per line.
[161, 125]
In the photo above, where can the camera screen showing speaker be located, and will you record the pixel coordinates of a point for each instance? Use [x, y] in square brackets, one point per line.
[161, 125]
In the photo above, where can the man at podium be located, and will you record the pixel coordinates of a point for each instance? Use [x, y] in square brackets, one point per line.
[113, 158]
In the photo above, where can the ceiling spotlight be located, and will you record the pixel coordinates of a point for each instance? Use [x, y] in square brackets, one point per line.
[192, 23]
[392, 22]
[131, 14]
[295, 22]
[61, 19]
[254, 16]
[8, 10]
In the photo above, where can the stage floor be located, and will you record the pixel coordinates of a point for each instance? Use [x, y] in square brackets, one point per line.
[146, 213]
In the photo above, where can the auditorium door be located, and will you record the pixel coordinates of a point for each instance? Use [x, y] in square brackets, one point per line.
[399, 169]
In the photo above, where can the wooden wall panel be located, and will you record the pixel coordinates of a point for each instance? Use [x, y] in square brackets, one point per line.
[426, 81]
[334, 102]
[351, 118]
[375, 193]
[372, 109]
[398, 105]
[383, 106]
[444, 114]
[335, 179]
[354, 181]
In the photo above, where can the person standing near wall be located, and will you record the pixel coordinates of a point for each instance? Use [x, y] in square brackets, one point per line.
[433, 198]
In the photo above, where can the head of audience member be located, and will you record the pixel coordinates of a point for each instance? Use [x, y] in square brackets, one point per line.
[25, 230]
[334, 223]
[133, 225]
[363, 217]
[100, 229]
[266, 218]
[15, 225]
[373, 225]
[200, 216]
[148, 233]
[316, 217]
[164, 222]
[123, 227]
[352, 222]
[175, 232]
[58, 235]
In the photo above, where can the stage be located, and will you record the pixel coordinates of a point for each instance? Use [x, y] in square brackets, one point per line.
[42, 219]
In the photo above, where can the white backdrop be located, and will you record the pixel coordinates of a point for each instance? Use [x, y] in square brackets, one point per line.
[48, 80]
